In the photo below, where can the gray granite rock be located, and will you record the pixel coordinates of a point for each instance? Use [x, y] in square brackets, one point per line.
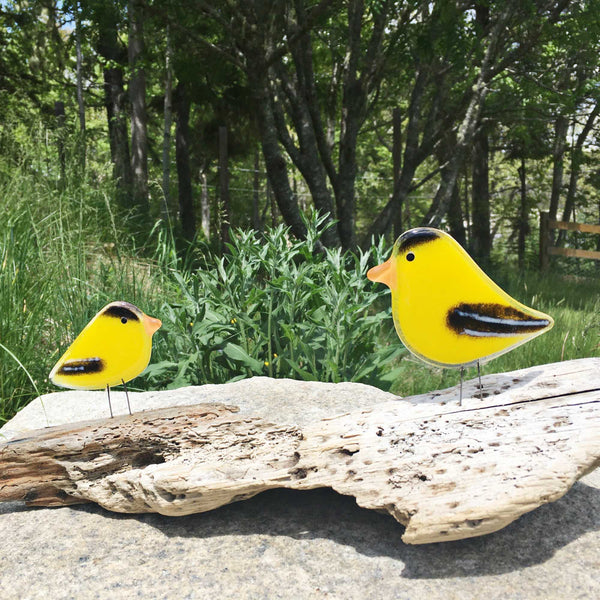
[282, 544]
[271, 399]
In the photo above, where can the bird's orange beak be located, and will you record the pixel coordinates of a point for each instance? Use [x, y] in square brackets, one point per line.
[384, 273]
[151, 325]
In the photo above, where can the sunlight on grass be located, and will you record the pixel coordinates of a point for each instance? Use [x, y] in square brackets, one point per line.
[269, 307]
[58, 265]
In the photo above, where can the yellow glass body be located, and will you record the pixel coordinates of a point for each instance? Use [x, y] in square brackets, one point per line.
[439, 276]
[119, 351]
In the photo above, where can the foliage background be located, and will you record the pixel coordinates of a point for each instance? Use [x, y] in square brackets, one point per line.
[362, 107]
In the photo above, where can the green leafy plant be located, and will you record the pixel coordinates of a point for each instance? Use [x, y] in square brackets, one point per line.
[273, 306]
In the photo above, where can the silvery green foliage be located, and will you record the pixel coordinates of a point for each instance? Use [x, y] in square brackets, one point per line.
[275, 306]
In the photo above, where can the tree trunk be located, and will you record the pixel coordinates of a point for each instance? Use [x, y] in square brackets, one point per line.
[182, 158]
[561, 126]
[467, 207]
[117, 131]
[256, 224]
[79, 85]
[414, 153]
[353, 108]
[481, 240]
[361, 77]
[440, 203]
[168, 119]
[275, 162]
[523, 221]
[466, 130]
[456, 222]
[59, 114]
[480, 236]
[576, 160]
[137, 96]
[205, 205]
[311, 157]
[225, 212]
[272, 204]
[296, 100]
[397, 166]
[598, 238]
[115, 102]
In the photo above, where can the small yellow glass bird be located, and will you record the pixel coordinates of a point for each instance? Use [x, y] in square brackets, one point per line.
[113, 348]
[446, 310]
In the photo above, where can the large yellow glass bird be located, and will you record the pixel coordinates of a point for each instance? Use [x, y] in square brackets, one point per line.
[113, 348]
[446, 310]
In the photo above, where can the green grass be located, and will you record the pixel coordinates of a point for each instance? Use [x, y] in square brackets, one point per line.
[270, 306]
[62, 257]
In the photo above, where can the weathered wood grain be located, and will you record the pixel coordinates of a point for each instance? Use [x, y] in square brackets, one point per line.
[444, 471]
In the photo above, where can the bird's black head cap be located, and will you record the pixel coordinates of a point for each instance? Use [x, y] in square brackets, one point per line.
[122, 310]
[414, 237]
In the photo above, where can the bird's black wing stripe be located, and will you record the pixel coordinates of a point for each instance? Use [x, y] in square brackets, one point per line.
[414, 237]
[83, 366]
[120, 311]
[492, 320]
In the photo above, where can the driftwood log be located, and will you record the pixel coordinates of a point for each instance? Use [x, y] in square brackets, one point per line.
[444, 471]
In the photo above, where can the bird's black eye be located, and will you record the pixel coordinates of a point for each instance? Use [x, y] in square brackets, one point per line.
[123, 320]
[410, 257]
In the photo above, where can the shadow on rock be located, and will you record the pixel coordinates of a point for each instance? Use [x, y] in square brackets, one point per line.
[324, 514]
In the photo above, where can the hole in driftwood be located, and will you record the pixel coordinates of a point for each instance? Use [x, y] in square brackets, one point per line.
[298, 474]
[347, 451]
[143, 459]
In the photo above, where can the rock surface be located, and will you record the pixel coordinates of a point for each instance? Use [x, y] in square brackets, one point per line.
[282, 543]
[258, 396]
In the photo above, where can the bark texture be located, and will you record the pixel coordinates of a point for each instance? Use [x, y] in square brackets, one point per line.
[139, 119]
[187, 215]
[576, 162]
[444, 471]
[115, 102]
[481, 240]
